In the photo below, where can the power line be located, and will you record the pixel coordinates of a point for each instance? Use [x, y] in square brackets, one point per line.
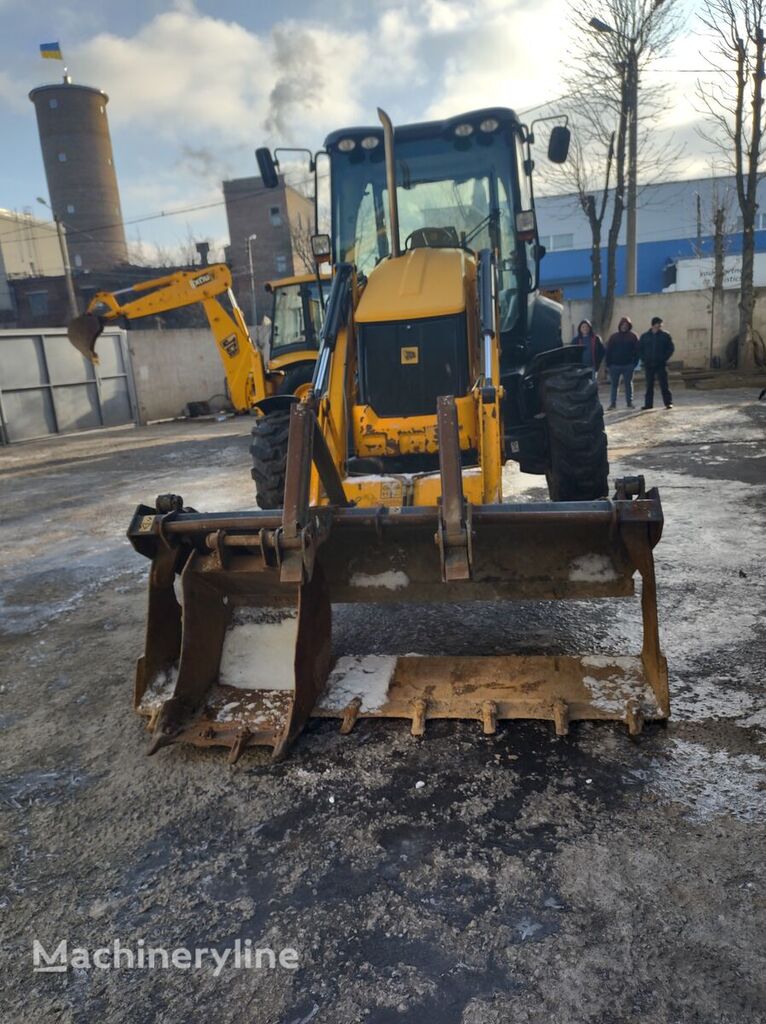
[21, 234]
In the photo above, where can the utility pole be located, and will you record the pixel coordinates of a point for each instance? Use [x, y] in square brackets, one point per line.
[72, 297]
[631, 269]
[73, 310]
[253, 314]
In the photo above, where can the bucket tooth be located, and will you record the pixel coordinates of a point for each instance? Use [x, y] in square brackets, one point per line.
[489, 717]
[634, 716]
[561, 717]
[168, 724]
[238, 746]
[419, 708]
[350, 715]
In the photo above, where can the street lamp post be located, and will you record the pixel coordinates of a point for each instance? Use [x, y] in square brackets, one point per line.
[631, 105]
[73, 310]
[253, 315]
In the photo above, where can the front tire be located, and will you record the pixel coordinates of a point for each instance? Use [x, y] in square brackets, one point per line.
[268, 451]
[578, 466]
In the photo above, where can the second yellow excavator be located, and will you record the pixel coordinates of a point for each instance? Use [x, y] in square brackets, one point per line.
[262, 386]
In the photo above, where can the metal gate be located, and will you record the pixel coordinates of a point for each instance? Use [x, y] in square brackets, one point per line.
[46, 387]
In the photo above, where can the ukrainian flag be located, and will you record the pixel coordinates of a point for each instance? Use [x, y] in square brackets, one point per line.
[52, 51]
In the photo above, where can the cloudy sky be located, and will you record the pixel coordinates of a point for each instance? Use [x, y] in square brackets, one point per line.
[195, 85]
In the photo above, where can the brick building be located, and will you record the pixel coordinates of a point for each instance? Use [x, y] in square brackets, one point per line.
[282, 221]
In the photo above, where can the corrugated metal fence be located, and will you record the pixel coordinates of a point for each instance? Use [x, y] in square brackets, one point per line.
[46, 387]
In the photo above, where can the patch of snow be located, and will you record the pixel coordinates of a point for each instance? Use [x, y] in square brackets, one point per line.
[611, 692]
[712, 783]
[394, 579]
[160, 688]
[592, 569]
[367, 676]
[259, 649]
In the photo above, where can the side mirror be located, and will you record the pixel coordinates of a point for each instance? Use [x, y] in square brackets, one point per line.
[321, 248]
[558, 144]
[267, 167]
[526, 225]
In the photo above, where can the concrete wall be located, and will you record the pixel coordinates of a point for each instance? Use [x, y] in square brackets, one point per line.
[689, 318]
[172, 368]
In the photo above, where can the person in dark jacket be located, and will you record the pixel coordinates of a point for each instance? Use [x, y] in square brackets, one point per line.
[591, 344]
[655, 347]
[621, 360]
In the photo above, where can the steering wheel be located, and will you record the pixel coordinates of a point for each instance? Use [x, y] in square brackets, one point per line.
[433, 238]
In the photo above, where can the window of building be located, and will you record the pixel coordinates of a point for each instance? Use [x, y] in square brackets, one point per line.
[38, 303]
[70, 207]
[554, 243]
[53, 103]
[101, 110]
[275, 216]
[281, 264]
[759, 223]
[78, 260]
[62, 158]
[109, 160]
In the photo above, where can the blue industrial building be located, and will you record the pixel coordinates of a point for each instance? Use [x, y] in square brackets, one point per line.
[674, 221]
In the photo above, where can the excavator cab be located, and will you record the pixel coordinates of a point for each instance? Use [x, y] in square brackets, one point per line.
[296, 314]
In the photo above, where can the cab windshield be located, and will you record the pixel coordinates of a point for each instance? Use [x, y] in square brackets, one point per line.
[458, 185]
[297, 315]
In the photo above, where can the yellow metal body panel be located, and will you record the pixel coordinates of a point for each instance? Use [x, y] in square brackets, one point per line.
[402, 489]
[303, 355]
[283, 282]
[420, 283]
[378, 435]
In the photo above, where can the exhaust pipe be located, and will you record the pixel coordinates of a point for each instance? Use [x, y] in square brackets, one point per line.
[393, 206]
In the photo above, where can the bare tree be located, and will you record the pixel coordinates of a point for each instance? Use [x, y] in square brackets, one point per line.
[301, 232]
[610, 126]
[734, 107]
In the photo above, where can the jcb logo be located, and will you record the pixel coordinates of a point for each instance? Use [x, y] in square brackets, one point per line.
[197, 282]
[410, 356]
[230, 345]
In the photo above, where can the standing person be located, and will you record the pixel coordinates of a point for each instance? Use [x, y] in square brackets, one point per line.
[621, 359]
[655, 348]
[591, 344]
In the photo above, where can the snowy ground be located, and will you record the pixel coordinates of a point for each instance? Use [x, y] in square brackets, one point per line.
[461, 878]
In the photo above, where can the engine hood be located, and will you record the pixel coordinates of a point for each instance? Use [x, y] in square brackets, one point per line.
[421, 283]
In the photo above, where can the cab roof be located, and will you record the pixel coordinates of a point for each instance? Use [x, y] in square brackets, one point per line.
[426, 129]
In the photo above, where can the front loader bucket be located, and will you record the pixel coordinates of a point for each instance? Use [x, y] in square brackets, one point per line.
[83, 332]
[241, 659]
[245, 658]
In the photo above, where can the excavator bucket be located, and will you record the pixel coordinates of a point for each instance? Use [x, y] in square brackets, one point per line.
[238, 644]
[83, 332]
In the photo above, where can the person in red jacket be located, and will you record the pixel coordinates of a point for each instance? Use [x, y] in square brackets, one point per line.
[591, 344]
[621, 361]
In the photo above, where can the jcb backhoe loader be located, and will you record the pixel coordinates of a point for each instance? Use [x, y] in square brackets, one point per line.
[254, 385]
[438, 360]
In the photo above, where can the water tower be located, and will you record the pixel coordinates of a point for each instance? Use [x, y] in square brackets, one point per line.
[79, 167]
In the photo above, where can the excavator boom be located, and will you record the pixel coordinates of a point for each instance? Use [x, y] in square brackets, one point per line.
[242, 361]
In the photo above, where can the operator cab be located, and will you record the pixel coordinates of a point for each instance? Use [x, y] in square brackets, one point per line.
[460, 184]
[296, 313]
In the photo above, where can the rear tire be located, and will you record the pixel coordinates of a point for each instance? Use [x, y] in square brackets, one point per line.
[578, 466]
[268, 450]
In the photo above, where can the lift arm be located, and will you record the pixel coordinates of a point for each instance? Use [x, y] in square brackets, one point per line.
[242, 361]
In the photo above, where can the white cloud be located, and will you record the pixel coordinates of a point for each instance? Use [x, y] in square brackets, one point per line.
[504, 57]
[182, 74]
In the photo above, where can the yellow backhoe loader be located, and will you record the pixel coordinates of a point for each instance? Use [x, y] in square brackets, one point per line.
[438, 360]
[262, 387]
